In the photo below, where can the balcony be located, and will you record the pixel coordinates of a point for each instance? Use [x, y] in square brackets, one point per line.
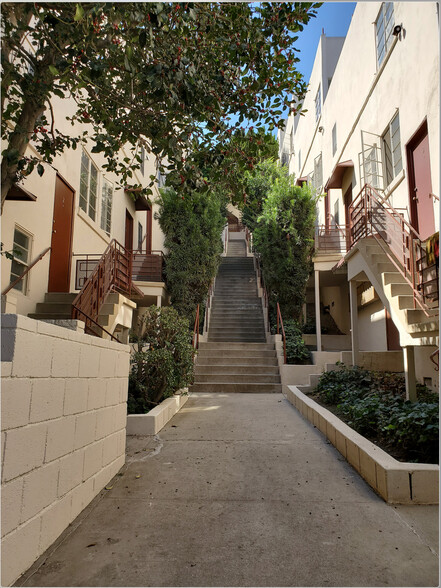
[331, 240]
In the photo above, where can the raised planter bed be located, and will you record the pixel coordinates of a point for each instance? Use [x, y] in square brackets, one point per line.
[394, 481]
[153, 421]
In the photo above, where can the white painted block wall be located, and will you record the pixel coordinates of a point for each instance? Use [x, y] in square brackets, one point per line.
[64, 411]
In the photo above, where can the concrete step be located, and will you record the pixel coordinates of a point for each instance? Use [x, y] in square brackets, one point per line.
[236, 330]
[231, 370]
[238, 378]
[393, 278]
[415, 316]
[64, 297]
[53, 308]
[397, 289]
[233, 338]
[386, 266]
[216, 360]
[204, 346]
[255, 322]
[405, 302]
[217, 387]
[39, 316]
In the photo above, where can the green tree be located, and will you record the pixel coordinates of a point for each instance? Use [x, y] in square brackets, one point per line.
[284, 237]
[192, 226]
[175, 77]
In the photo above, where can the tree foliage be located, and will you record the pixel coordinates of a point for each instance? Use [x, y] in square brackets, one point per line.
[284, 237]
[175, 77]
[163, 358]
[193, 228]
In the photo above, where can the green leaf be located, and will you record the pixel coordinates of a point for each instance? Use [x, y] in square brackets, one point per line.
[53, 70]
[40, 169]
[79, 13]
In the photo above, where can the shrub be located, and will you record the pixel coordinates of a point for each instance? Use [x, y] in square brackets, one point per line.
[163, 360]
[296, 351]
[374, 404]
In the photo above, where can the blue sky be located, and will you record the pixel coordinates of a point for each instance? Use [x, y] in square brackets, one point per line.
[334, 18]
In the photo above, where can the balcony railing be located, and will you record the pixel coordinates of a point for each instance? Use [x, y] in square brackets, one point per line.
[148, 267]
[331, 239]
[372, 217]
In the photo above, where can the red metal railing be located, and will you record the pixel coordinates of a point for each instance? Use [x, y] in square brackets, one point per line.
[331, 239]
[113, 272]
[148, 267]
[25, 273]
[434, 357]
[281, 328]
[371, 216]
[196, 330]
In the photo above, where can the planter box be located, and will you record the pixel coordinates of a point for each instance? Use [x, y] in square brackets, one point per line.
[394, 481]
[152, 422]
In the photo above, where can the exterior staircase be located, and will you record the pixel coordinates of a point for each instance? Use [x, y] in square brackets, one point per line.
[414, 326]
[56, 305]
[236, 356]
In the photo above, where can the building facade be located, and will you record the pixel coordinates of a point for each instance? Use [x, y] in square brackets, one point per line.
[369, 144]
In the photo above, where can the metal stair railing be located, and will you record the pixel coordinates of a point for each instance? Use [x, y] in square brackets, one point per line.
[112, 273]
[372, 217]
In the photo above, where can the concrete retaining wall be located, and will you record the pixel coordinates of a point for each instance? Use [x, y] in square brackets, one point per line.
[153, 421]
[63, 434]
[394, 481]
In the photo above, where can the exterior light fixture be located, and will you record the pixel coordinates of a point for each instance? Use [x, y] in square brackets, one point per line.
[397, 30]
[321, 130]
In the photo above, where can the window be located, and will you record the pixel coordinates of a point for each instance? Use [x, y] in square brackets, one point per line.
[22, 248]
[318, 172]
[88, 186]
[291, 142]
[106, 206]
[318, 104]
[334, 139]
[391, 143]
[142, 159]
[383, 27]
[300, 160]
[140, 236]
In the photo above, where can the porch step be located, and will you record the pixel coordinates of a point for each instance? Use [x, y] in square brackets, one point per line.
[242, 388]
[233, 370]
[56, 305]
[215, 360]
[239, 378]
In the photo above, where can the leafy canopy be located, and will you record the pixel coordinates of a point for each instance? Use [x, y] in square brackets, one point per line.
[175, 77]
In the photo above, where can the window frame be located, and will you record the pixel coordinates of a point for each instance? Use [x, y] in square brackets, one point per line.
[386, 32]
[334, 139]
[106, 206]
[390, 163]
[318, 104]
[24, 283]
[86, 199]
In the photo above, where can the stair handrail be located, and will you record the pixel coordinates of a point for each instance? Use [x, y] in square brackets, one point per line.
[208, 303]
[363, 212]
[195, 341]
[282, 331]
[260, 278]
[25, 273]
[113, 272]
[433, 360]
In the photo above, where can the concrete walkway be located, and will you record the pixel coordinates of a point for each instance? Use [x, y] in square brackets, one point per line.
[239, 490]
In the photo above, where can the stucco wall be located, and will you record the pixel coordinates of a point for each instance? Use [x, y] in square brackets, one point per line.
[372, 327]
[63, 431]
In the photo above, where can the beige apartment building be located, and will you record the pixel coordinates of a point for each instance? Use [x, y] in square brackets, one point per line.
[369, 144]
[64, 221]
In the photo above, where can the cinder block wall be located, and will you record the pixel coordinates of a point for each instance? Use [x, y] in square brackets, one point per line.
[64, 414]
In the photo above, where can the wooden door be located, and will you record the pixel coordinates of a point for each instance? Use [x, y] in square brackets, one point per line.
[420, 183]
[347, 198]
[128, 241]
[61, 242]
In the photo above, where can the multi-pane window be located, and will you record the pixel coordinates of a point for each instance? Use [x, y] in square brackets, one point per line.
[140, 236]
[88, 186]
[21, 248]
[318, 104]
[392, 160]
[106, 206]
[383, 27]
[142, 159]
[334, 139]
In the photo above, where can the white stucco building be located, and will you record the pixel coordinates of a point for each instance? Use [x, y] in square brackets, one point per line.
[369, 142]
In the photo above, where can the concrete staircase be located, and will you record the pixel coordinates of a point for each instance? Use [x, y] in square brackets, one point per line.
[56, 305]
[414, 326]
[236, 356]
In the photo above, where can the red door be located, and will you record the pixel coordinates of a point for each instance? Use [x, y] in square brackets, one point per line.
[420, 183]
[61, 243]
[128, 241]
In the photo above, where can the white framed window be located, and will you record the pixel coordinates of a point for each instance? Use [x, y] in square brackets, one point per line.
[88, 186]
[391, 143]
[384, 26]
[318, 103]
[318, 172]
[106, 205]
[142, 169]
[22, 255]
[334, 139]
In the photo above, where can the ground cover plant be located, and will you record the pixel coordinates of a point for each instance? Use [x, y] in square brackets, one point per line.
[163, 359]
[297, 353]
[374, 404]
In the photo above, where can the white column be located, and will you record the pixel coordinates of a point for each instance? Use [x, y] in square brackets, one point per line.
[409, 372]
[318, 325]
[354, 320]
[158, 301]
